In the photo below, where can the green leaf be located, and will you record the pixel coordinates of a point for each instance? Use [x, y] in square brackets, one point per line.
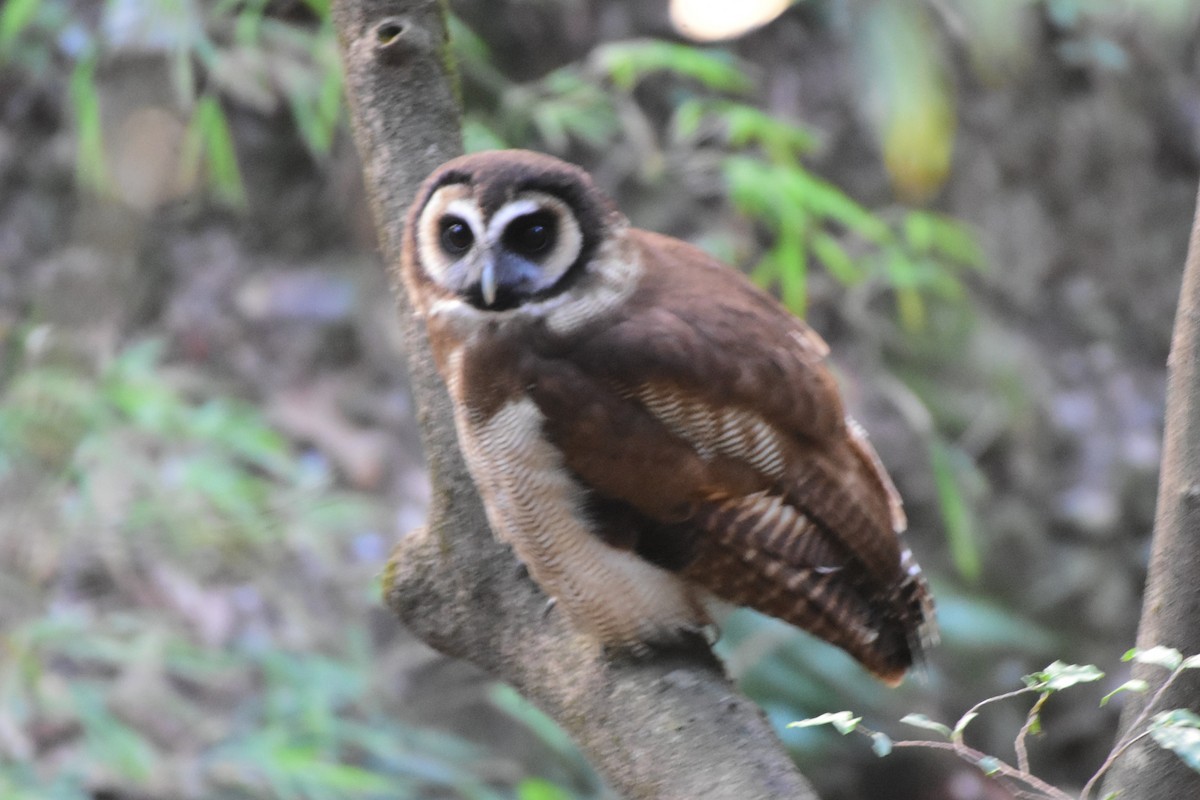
[827, 200]
[1159, 656]
[922, 721]
[1179, 732]
[90, 163]
[1134, 685]
[110, 742]
[881, 744]
[1176, 718]
[989, 764]
[540, 789]
[627, 63]
[470, 50]
[844, 721]
[223, 170]
[314, 95]
[747, 125]
[14, 19]
[208, 141]
[319, 7]
[959, 520]
[1191, 662]
[508, 700]
[685, 122]
[909, 304]
[479, 136]
[1060, 676]
[934, 234]
[963, 722]
[904, 63]
[835, 259]
[793, 264]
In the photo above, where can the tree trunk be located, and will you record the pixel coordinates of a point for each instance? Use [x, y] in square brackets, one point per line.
[1171, 608]
[669, 725]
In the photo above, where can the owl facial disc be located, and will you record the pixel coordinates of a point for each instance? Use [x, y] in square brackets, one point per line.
[497, 261]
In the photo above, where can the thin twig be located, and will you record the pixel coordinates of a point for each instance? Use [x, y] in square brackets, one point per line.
[960, 726]
[1030, 720]
[1007, 770]
[1122, 746]
[1025, 794]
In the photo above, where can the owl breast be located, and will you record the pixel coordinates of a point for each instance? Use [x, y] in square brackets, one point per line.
[536, 505]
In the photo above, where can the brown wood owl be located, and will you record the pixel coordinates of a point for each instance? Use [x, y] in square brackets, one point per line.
[649, 431]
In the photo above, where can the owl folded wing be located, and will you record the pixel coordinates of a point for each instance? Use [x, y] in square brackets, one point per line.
[707, 436]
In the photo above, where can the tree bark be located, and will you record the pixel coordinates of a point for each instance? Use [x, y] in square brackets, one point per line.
[668, 725]
[1171, 608]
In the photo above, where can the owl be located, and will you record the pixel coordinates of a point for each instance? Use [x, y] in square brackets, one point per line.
[654, 436]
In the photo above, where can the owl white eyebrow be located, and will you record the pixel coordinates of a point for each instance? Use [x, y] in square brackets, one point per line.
[514, 210]
[467, 211]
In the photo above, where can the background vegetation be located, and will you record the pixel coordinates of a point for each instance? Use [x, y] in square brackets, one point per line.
[206, 447]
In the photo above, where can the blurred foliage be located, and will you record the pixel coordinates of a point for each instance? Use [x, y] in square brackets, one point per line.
[229, 484]
[139, 488]
[905, 48]
[216, 53]
[714, 124]
[158, 624]
[908, 95]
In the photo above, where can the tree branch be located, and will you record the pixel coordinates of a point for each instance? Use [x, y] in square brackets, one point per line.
[1171, 608]
[669, 725]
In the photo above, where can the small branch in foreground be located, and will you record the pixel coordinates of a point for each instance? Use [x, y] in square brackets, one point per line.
[994, 765]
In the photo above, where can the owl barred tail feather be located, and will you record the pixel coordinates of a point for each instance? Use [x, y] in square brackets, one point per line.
[767, 554]
[646, 428]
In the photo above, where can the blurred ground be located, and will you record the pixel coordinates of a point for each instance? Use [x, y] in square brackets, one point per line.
[208, 446]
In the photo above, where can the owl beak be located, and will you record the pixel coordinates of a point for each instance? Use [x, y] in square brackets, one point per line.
[487, 282]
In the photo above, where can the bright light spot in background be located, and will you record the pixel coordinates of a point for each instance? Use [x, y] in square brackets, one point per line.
[712, 20]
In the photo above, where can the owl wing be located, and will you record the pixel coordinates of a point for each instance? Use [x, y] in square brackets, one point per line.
[708, 437]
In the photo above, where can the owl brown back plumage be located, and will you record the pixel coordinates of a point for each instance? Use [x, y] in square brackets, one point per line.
[647, 429]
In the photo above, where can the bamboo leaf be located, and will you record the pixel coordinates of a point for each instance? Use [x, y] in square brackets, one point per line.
[627, 63]
[835, 259]
[90, 162]
[221, 159]
[15, 17]
[961, 531]
[793, 263]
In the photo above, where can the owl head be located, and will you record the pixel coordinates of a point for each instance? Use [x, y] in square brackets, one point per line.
[502, 229]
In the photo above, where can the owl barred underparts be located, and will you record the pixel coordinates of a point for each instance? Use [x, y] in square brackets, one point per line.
[647, 429]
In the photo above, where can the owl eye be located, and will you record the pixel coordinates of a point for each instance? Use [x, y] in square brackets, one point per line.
[531, 234]
[456, 236]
